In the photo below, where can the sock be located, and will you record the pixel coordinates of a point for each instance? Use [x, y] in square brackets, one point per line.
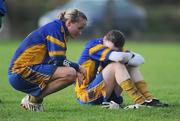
[118, 99]
[132, 91]
[142, 87]
[35, 99]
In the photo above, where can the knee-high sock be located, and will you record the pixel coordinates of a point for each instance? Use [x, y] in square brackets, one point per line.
[132, 91]
[142, 87]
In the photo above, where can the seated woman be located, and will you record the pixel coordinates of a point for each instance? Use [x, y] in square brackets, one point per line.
[110, 70]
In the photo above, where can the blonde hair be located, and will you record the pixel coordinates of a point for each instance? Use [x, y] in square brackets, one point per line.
[72, 14]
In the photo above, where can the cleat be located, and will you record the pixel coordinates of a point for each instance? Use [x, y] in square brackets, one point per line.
[111, 105]
[27, 105]
[155, 103]
[134, 106]
[150, 103]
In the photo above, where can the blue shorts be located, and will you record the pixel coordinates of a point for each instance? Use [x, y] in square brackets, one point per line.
[95, 93]
[32, 80]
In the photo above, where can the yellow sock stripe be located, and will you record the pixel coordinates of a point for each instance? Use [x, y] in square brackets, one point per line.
[142, 87]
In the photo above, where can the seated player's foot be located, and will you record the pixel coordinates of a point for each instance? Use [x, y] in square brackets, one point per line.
[134, 106]
[26, 104]
[111, 105]
[155, 103]
[115, 98]
[151, 103]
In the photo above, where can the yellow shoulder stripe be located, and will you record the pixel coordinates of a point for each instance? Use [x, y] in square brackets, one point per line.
[56, 41]
[95, 48]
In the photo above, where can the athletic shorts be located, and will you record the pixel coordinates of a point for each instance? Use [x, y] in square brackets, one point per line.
[95, 94]
[32, 80]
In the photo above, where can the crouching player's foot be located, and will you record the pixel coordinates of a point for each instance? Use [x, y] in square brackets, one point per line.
[26, 104]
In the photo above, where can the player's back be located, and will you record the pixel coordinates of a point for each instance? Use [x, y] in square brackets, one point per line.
[36, 44]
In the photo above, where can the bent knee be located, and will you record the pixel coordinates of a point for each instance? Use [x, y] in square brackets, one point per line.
[116, 65]
[68, 73]
[71, 75]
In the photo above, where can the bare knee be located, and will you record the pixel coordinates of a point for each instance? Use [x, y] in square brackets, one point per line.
[116, 71]
[71, 75]
[68, 73]
[117, 65]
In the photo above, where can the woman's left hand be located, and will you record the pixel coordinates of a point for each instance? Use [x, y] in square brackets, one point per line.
[81, 74]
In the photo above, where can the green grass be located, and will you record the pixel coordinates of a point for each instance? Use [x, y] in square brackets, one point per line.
[161, 72]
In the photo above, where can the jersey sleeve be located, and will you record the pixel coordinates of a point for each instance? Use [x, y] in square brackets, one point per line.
[99, 52]
[56, 47]
[2, 8]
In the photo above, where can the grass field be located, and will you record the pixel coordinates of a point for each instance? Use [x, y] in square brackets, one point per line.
[161, 72]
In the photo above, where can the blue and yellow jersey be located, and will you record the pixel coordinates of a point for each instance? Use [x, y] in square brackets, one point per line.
[45, 45]
[94, 55]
